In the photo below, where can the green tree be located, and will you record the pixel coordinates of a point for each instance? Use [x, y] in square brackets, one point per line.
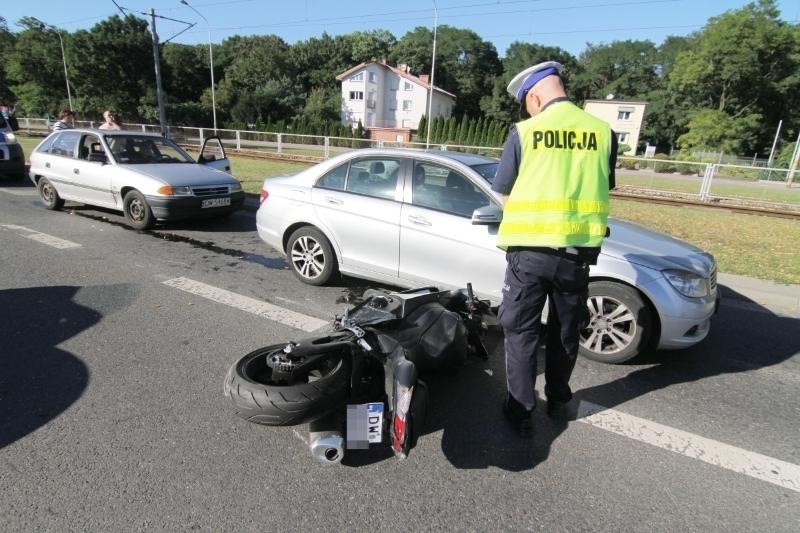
[7, 42]
[626, 69]
[665, 116]
[317, 61]
[112, 67]
[744, 64]
[323, 105]
[35, 70]
[373, 45]
[465, 64]
[258, 86]
[712, 130]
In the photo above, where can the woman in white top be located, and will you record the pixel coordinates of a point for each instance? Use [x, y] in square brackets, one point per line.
[111, 122]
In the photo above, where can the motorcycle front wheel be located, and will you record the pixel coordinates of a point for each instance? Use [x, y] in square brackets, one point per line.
[260, 399]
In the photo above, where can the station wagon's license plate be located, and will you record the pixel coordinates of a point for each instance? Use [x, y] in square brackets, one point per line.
[215, 202]
[364, 425]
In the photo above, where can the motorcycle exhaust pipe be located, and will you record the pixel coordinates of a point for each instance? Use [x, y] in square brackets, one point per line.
[326, 446]
[325, 438]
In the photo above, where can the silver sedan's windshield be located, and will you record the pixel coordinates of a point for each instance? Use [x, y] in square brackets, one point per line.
[486, 170]
[140, 149]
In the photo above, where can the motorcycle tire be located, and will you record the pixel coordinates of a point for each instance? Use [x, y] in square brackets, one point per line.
[259, 400]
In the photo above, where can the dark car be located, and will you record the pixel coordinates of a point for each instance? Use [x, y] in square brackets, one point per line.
[12, 158]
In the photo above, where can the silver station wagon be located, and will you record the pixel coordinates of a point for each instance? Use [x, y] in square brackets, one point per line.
[412, 218]
[146, 176]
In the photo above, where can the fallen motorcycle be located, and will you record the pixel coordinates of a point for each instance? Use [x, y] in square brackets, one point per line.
[358, 386]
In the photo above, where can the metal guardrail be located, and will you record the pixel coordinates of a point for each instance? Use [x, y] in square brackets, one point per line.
[708, 181]
[690, 179]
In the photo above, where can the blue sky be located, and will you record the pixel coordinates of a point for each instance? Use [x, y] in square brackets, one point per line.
[569, 24]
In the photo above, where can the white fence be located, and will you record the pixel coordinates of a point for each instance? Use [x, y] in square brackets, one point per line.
[301, 147]
[706, 182]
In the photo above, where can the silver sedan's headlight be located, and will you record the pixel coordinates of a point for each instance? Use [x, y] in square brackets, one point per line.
[687, 283]
[236, 187]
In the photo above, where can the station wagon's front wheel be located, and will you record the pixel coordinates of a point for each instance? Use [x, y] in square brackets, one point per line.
[137, 212]
[49, 194]
[311, 256]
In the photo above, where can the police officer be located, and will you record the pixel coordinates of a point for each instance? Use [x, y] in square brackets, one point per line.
[554, 176]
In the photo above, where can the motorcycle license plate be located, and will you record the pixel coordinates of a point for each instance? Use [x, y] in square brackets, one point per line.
[364, 425]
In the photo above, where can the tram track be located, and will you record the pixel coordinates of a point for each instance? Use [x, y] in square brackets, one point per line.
[733, 205]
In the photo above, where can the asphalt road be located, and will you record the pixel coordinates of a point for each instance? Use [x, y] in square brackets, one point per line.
[112, 416]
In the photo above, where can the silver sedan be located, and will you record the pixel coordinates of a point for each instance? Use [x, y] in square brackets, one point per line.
[145, 176]
[411, 218]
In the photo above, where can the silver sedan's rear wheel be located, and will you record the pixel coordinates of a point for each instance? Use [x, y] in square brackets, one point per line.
[619, 323]
[311, 256]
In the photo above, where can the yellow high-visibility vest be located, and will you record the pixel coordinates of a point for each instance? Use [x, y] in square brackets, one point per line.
[560, 197]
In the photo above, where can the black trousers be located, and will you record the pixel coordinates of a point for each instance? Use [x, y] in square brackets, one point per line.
[532, 277]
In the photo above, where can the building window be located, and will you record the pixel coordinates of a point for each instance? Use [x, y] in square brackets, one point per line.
[357, 77]
[624, 113]
[408, 86]
[392, 105]
[394, 84]
[356, 95]
[408, 105]
[622, 137]
[373, 77]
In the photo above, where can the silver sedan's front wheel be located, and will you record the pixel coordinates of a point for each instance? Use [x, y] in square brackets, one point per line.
[619, 323]
[311, 256]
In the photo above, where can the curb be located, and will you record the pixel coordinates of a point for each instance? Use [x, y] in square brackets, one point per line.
[780, 298]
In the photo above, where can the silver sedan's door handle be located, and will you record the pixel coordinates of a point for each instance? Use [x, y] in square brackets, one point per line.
[76, 171]
[47, 164]
[334, 201]
[421, 221]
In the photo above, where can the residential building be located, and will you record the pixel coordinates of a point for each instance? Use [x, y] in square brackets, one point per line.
[624, 116]
[389, 101]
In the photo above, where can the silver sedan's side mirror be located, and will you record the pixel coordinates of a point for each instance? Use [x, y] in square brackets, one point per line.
[487, 215]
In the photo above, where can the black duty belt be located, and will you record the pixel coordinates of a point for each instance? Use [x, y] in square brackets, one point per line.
[571, 252]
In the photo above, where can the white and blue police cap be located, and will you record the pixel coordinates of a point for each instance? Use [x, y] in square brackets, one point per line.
[525, 80]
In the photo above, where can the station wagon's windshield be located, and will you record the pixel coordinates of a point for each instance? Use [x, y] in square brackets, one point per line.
[140, 149]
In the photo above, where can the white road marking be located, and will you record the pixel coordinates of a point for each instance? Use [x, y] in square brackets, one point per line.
[781, 473]
[43, 238]
[20, 192]
[245, 303]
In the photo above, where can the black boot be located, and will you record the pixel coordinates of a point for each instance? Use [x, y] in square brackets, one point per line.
[518, 416]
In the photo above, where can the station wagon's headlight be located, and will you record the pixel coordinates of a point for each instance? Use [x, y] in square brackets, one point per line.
[236, 187]
[169, 190]
[687, 283]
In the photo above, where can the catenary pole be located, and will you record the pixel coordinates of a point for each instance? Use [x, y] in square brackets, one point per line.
[162, 115]
[433, 69]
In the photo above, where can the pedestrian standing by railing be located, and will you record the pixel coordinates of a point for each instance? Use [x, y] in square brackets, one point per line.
[111, 121]
[66, 120]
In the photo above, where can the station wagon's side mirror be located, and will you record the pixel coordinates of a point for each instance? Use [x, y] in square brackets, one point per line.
[487, 215]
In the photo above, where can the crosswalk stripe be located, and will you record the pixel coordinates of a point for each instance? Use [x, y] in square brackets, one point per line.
[745, 462]
[245, 303]
[44, 238]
